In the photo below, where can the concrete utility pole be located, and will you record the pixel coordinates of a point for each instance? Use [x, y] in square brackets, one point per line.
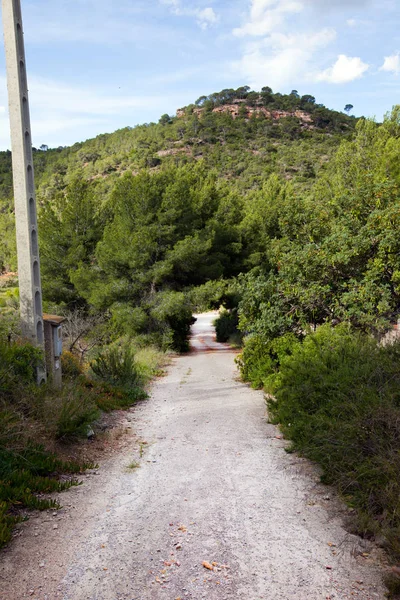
[24, 185]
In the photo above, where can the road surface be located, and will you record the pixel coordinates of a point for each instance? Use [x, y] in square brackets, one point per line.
[213, 485]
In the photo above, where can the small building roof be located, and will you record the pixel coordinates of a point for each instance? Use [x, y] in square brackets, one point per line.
[53, 319]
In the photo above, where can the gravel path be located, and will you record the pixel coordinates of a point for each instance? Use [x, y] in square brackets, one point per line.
[213, 484]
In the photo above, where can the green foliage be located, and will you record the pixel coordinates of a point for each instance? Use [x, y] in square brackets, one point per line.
[70, 364]
[18, 363]
[116, 366]
[226, 325]
[70, 224]
[261, 357]
[337, 399]
[25, 475]
[77, 411]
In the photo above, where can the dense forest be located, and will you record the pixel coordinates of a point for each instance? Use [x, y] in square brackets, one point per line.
[285, 213]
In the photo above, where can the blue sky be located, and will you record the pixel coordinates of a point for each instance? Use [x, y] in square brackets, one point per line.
[98, 65]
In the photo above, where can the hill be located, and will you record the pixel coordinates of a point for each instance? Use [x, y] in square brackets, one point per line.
[244, 136]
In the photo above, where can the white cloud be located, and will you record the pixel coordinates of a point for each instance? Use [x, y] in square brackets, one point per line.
[281, 59]
[173, 4]
[266, 15]
[2, 109]
[391, 64]
[206, 17]
[351, 22]
[344, 70]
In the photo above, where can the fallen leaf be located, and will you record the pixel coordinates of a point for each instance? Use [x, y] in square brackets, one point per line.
[167, 564]
[207, 565]
[214, 564]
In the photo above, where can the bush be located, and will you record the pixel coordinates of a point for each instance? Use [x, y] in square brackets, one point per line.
[171, 313]
[337, 397]
[18, 363]
[260, 358]
[226, 325]
[151, 362]
[116, 365]
[76, 412]
[71, 366]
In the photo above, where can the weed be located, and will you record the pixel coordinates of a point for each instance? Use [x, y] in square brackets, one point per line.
[133, 465]
[116, 365]
[142, 447]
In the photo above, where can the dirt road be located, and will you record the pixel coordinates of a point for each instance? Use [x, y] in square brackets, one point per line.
[213, 484]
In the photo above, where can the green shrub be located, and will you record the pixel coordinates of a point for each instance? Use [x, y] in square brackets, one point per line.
[71, 366]
[260, 358]
[337, 397]
[172, 317]
[151, 361]
[226, 325]
[18, 363]
[110, 398]
[116, 365]
[77, 411]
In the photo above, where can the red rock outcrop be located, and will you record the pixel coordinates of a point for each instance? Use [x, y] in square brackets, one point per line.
[234, 110]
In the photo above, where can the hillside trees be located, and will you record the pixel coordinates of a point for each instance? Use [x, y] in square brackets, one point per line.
[332, 256]
[70, 224]
[170, 230]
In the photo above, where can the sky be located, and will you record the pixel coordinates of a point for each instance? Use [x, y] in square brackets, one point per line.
[95, 66]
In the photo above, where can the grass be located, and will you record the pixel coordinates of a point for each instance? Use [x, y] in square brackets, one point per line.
[133, 465]
[152, 362]
[25, 476]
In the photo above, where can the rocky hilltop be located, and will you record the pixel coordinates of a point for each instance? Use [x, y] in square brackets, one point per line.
[237, 109]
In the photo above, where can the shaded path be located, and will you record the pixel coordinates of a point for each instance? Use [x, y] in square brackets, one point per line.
[214, 484]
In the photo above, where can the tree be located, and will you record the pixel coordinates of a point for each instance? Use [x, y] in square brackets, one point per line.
[165, 119]
[70, 226]
[348, 108]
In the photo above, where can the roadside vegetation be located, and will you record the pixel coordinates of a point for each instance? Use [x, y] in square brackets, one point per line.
[40, 424]
[287, 216]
